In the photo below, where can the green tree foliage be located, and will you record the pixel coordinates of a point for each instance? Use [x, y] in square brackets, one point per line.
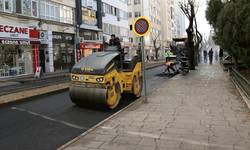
[232, 27]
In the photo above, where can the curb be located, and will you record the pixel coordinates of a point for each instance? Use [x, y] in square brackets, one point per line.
[33, 97]
[107, 119]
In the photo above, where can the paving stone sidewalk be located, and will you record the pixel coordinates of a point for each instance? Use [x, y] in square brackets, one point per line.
[199, 111]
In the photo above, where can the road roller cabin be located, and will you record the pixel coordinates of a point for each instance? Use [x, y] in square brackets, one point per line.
[102, 77]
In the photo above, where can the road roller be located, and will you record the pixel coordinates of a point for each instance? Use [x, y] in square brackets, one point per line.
[102, 77]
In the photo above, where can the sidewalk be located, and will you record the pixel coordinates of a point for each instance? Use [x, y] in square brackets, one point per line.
[200, 111]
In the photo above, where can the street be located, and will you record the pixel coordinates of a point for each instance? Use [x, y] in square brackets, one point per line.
[50, 122]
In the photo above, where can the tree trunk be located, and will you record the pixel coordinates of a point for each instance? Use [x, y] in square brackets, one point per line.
[156, 53]
[196, 57]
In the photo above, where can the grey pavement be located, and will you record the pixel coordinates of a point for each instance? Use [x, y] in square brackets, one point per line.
[199, 111]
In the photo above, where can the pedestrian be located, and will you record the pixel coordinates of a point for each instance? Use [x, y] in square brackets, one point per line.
[205, 56]
[216, 55]
[166, 56]
[221, 53]
[148, 58]
[211, 56]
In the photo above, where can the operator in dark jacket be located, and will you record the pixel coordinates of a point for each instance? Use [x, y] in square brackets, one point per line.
[115, 41]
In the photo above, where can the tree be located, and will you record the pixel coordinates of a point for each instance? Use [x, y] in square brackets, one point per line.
[190, 8]
[232, 28]
[154, 39]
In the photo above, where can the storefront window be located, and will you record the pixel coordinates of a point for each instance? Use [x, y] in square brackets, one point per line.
[16, 60]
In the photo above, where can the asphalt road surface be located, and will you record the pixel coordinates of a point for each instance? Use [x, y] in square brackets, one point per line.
[48, 123]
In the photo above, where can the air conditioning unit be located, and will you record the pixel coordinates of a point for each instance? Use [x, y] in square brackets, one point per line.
[80, 40]
[118, 18]
[105, 38]
[103, 14]
[43, 35]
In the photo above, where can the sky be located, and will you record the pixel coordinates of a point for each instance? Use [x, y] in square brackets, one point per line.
[203, 25]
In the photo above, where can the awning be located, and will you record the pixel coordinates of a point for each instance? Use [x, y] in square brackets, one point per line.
[20, 41]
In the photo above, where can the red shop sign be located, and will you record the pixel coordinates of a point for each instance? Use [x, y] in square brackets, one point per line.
[19, 42]
[78, 55]
[90, 46]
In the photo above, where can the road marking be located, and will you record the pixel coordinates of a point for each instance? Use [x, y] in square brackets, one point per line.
[51, 119]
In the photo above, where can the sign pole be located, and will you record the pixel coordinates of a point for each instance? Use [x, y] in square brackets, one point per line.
[144, 70]
[141, 28]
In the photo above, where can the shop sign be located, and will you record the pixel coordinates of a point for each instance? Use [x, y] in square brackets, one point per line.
[58, 37]
[44, 41]
[78, 55]
[68, 38]
[87, 33]
[15, 42]
[91, 46]
[11, 31]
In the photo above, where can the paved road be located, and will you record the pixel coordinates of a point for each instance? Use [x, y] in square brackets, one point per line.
[50, 122]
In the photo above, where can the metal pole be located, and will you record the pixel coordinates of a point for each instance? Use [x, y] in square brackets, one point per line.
[144, 71]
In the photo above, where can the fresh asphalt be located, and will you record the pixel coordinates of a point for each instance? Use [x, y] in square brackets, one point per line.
[48, 123]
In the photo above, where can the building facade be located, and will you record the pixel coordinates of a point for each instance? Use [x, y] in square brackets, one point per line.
[166, 24]
[177, 19]
[159, 16]
[115, 21]
[36, 33]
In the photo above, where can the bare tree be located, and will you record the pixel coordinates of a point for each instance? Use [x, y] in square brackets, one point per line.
[154, 39]
[190, 9]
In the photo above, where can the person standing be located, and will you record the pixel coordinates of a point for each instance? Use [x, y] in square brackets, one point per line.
[221, 53]
[148, 58]
[211, 56]
[115, 41]
[166, 56]
[205, 56]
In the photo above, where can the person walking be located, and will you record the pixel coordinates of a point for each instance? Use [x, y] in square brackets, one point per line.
[148, 58]
[166, 56]
[211, 56]
[205, 56]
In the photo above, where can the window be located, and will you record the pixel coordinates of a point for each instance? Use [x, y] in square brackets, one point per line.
[49, 10]
[138, 39]
[130, 15]
[123, 15]
[131, 27]
[6, 5]
[125, 1]
[123, 31]
[137, 14]
[66, 14]
[137, 2]
[34, 8]
[89, 16]
[106, 28]
[129, 2]
[131, 40]
[19, 6]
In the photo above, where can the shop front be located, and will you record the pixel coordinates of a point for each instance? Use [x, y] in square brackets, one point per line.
[85, 49]
[18, 50]
[63, 50]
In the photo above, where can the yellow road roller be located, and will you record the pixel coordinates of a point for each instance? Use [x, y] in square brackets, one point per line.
[102, 77]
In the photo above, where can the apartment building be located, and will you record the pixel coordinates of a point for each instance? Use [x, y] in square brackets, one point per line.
[166, 24]
[115, 21]
[153, 10]
[177, 19]
[36, 33]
